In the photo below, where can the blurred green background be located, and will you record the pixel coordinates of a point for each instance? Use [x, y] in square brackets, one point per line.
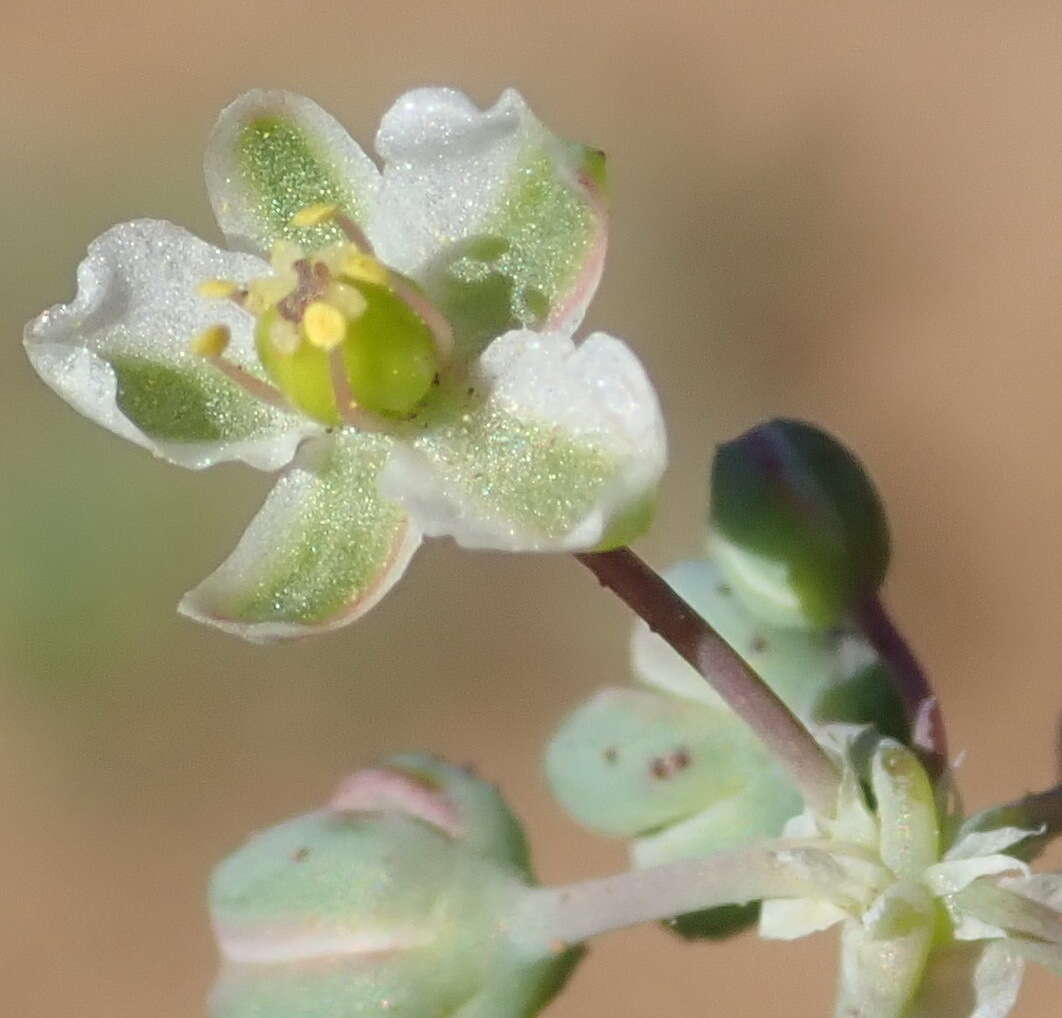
[847, 212]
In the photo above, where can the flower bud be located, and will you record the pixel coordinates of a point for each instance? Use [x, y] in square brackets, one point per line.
[393, 901]
[797, 524]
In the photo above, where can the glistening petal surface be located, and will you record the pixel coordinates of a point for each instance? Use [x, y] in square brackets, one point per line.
[120, 352]
[501, 220]
[969, 980]
[324, 548]
[547, 446]
[273, 153]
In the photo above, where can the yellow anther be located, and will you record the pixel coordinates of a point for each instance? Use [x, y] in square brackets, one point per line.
[349, 299]
[266, 291]
[217, 289]
[325, 326]
[363, 268]
[314, 215]
[212, 342]
[284, 255]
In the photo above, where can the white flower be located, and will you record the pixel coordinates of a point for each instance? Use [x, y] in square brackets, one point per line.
[945, 922]
[407, 352]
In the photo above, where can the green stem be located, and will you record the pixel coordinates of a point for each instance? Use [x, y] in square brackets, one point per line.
[670, 617]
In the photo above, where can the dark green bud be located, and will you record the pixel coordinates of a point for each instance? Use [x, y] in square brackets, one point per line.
[797, 524]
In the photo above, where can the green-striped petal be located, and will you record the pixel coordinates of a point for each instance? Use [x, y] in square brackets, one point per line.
[324, 548]
[120, 352]
[273, 153]
[546, 446]
[502, 221]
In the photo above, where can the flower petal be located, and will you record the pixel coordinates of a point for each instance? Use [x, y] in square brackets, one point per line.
[782, 919]
[884, 955]
[1045, 888]
[121, 351]
[953, 875]
[273, 153]
[502, 221]
[973, 843]
[969, 980]
[551, 447]
[910, 829]
[321, 552]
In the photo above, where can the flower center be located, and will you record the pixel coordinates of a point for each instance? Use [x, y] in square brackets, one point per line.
[340, 335]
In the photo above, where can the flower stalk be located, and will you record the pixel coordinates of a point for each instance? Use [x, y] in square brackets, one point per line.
[554, 917]
[671, 617]
[921, 706]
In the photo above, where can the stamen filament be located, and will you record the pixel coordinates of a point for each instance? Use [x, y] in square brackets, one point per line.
[253, 386]
[432, 317]
[341, 387]
[352, 415]
[354, 233]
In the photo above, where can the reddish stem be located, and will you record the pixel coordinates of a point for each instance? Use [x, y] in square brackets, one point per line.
[921, 707]
[670, 617]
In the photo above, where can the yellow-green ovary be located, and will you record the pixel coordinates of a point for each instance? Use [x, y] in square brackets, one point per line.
[389, 355]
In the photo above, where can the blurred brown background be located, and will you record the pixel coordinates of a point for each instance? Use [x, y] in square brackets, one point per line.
[849, 212]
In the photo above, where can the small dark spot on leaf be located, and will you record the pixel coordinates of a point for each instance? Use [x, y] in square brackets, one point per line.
[611, 755]
[759, 644]
[725, 589]
[667, 766]
[301, 855]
